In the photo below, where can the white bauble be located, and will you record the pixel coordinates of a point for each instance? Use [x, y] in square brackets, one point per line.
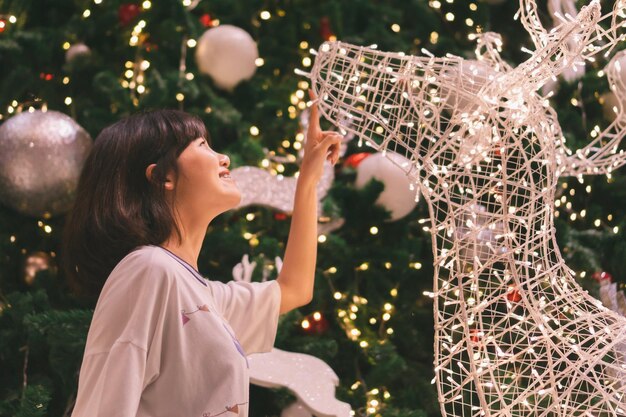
[397, 197]
[610, 103]
[41, 157]
[75, 51]
[616, 72]
[227, 54]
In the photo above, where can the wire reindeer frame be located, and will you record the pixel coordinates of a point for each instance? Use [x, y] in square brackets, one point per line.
[515, 334]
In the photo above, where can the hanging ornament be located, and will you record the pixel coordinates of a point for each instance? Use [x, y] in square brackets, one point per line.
[310, 379]
[611, 106]
[314, 323]
[206, 20]
[3, 25]
[41, 156]
[396, 196]
[36, 262]
[280, 216]
[75, 51]
[227, 54]
[355, 159]
[260, 187]
[127, 12]
[602, 277]
[325, 31]
[476, 335]
[512, 294]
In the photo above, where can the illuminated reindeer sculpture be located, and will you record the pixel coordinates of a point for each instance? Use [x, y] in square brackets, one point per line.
[515, 334]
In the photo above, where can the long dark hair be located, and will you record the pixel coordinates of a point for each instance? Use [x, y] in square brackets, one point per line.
[116, 208]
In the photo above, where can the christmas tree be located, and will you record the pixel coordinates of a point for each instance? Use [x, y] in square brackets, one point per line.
[371, 317]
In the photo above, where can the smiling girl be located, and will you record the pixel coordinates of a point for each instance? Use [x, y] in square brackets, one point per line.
[164, 341]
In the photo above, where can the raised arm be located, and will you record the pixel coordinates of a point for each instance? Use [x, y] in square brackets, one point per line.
[297, 275]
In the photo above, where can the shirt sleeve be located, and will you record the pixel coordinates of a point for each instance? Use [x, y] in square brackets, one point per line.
[123, 348]
[251, 309]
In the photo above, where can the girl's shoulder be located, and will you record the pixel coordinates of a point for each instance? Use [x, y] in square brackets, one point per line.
[147, 258]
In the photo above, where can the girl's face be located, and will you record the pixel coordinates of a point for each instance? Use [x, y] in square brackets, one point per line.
[204, 186]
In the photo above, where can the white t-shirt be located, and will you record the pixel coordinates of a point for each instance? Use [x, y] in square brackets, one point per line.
[165, 342]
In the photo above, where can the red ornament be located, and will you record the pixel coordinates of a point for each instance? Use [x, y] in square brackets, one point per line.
[475, 335]
[127, 12]
[315, 323]
[355, 159]
[325, 31]
[513, 294]
[45, 76]
[280, 216]
[206, 20]
[602, 276]
[3, 25]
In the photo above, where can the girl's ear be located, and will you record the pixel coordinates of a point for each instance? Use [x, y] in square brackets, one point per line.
[169, 183]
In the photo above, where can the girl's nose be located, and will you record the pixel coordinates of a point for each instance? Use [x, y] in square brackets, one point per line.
[224, 160]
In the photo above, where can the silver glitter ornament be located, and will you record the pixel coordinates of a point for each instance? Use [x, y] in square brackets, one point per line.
[41, 156]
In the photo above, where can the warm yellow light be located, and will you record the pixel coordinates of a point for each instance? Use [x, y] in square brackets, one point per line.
[189, 76]
[337, 295]
[180, 96]
[259, 62]
[87, 13]
[304, 45]
[146, 4]
[68, 100]
[450, 17]
[373, 230]
[66, 45]
[141, 89]
[254, 131]
[191, 43]
[395, 27]
[306, 61]
[305, 324]
[317, 316]
[265, 15]
[66, 80]
[321, 238]
[250, 217]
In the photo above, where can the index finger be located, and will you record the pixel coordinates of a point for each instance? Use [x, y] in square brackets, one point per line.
[314, 118]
